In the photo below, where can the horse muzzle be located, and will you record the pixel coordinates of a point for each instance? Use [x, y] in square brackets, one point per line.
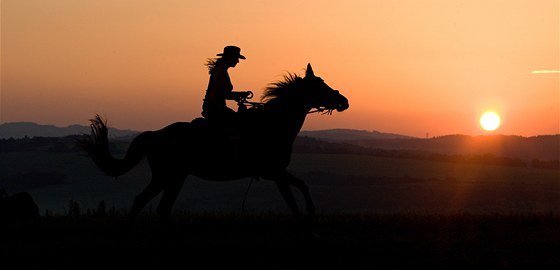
[342, 104]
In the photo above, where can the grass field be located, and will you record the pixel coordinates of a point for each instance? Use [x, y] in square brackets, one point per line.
[338, 183]
[273, 241]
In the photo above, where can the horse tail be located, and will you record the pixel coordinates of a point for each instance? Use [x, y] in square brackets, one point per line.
[97, 146]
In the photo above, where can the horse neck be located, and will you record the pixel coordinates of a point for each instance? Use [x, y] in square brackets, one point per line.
[287, 117]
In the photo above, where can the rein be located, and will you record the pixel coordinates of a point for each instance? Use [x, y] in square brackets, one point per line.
[243, 101]
[321, 110]
[253, 104]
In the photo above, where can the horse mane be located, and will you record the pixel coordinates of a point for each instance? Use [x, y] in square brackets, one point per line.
[281, 88]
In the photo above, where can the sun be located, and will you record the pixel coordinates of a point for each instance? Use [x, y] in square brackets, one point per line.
[490, 121]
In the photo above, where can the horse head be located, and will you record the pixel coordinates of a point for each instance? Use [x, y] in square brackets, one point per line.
[318, 95]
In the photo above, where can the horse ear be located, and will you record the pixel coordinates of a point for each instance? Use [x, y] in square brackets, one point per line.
[309, 71]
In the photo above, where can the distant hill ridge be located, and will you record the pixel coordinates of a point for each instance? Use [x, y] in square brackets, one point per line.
[18, 130]
[543, 146]
[345, 135]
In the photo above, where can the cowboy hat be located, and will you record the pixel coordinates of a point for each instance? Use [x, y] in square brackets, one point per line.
[232, 51]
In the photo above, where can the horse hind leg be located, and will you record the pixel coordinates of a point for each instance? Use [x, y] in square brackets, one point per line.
[140, 201]
[288, 196]
[170, 192]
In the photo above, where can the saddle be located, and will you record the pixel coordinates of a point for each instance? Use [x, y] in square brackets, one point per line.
[238, 141]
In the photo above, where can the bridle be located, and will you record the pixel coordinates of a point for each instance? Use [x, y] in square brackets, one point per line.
[322, 110]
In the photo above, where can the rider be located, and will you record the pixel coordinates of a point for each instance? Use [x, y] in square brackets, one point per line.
[220, 88]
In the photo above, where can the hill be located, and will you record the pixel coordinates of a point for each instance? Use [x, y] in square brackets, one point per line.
[18, 130]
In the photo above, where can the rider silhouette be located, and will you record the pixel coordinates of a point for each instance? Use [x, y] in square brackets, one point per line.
[220, 88]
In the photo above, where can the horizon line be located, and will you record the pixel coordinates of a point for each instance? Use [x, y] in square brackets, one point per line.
[311, 130]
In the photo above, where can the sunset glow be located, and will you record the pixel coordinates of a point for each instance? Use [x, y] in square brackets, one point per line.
[409, 67]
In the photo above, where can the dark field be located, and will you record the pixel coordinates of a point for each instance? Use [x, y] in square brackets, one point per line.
[373, 213]
[273, 241]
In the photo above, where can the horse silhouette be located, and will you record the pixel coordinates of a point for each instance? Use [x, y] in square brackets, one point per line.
[261, 147]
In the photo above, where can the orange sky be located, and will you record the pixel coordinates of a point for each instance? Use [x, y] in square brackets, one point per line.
[409, 67]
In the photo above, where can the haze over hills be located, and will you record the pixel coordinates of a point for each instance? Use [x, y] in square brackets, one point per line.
[544, 147]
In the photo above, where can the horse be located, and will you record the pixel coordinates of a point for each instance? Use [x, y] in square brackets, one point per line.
[261, 149]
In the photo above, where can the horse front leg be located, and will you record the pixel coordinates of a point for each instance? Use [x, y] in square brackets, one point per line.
[284, 181]
[288, 197]
[304, 189]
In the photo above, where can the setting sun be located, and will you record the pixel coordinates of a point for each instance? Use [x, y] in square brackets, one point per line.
[490, 121]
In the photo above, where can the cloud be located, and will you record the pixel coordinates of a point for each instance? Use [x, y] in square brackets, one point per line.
[544, 71]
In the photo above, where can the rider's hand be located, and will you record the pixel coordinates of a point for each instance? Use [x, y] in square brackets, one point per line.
[240, 95]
